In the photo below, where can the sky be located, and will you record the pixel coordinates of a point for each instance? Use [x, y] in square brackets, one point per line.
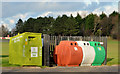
[13, 11]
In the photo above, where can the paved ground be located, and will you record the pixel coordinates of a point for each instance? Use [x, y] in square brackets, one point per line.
[62, 69]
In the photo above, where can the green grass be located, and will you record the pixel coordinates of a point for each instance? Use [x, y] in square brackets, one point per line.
[4, 56]
[112, 53]
[5, 47]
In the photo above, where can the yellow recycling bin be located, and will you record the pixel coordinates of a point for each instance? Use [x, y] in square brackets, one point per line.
[26, 49]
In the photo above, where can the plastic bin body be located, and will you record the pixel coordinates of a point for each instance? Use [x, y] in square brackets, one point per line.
[99, 53]
[26, 49]
[68, 53]
[88, 53]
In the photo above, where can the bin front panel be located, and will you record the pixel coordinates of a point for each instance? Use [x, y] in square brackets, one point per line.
[68, 54]
[99, 53]
[24, 50]
[15, 49]
[88, 53]
[33, 44]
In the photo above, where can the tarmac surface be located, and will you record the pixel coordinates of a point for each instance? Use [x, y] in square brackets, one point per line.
[63, 69]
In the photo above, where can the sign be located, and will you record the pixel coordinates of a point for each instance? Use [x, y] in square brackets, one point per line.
[34, 51]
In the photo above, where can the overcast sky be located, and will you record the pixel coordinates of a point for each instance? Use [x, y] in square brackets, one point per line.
[12, 11]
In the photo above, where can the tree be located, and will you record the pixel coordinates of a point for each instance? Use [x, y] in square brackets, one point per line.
[89, 24]
[4, 31]
[98, 32]
[96, 26]
[38, 25]
[114, 21]
[48, 22]
[102, 15]
[59, 25]
[104, 24]
[19, 26]
[71, 27]
[29, 25]
[0, 31]
[51, 20]
[79, 22]
[114, 14]
[13, 32]
[63, 25]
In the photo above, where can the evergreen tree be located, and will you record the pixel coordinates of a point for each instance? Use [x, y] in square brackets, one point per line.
[64, 25]
[71, 27]
[29, 25]
[89, 24]
[19, 26]
[59, 25]
[103, 15]
[38, 25]
[79, 21]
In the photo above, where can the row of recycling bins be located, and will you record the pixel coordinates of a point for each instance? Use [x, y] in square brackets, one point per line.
[79, 53]
[26, 49]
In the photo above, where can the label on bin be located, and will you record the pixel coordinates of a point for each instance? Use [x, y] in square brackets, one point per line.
[75, 48]
[99, 48]
[34, 51]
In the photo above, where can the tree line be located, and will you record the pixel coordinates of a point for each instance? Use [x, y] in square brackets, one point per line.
[91, 25]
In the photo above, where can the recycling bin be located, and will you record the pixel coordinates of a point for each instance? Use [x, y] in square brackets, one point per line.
[26, 49]
[88, 53]
[68, 53]
[99, 53]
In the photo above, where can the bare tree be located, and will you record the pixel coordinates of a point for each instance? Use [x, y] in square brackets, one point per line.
[4, 31]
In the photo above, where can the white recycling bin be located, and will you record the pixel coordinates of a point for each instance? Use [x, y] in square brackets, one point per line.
[88, 53]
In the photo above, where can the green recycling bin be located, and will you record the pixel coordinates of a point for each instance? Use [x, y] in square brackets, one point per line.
[99, 53]
[26, 49]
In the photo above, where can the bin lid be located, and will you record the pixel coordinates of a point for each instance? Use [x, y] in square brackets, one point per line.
[83, 43]
[68, 43]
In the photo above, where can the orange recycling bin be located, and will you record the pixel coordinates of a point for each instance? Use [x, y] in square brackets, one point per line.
[68, 53]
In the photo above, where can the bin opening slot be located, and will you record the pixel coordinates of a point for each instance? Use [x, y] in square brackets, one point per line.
[95, 44]
[87, 43]
[31, 38]
[75, 43]
[98, 44]
[84, 44]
